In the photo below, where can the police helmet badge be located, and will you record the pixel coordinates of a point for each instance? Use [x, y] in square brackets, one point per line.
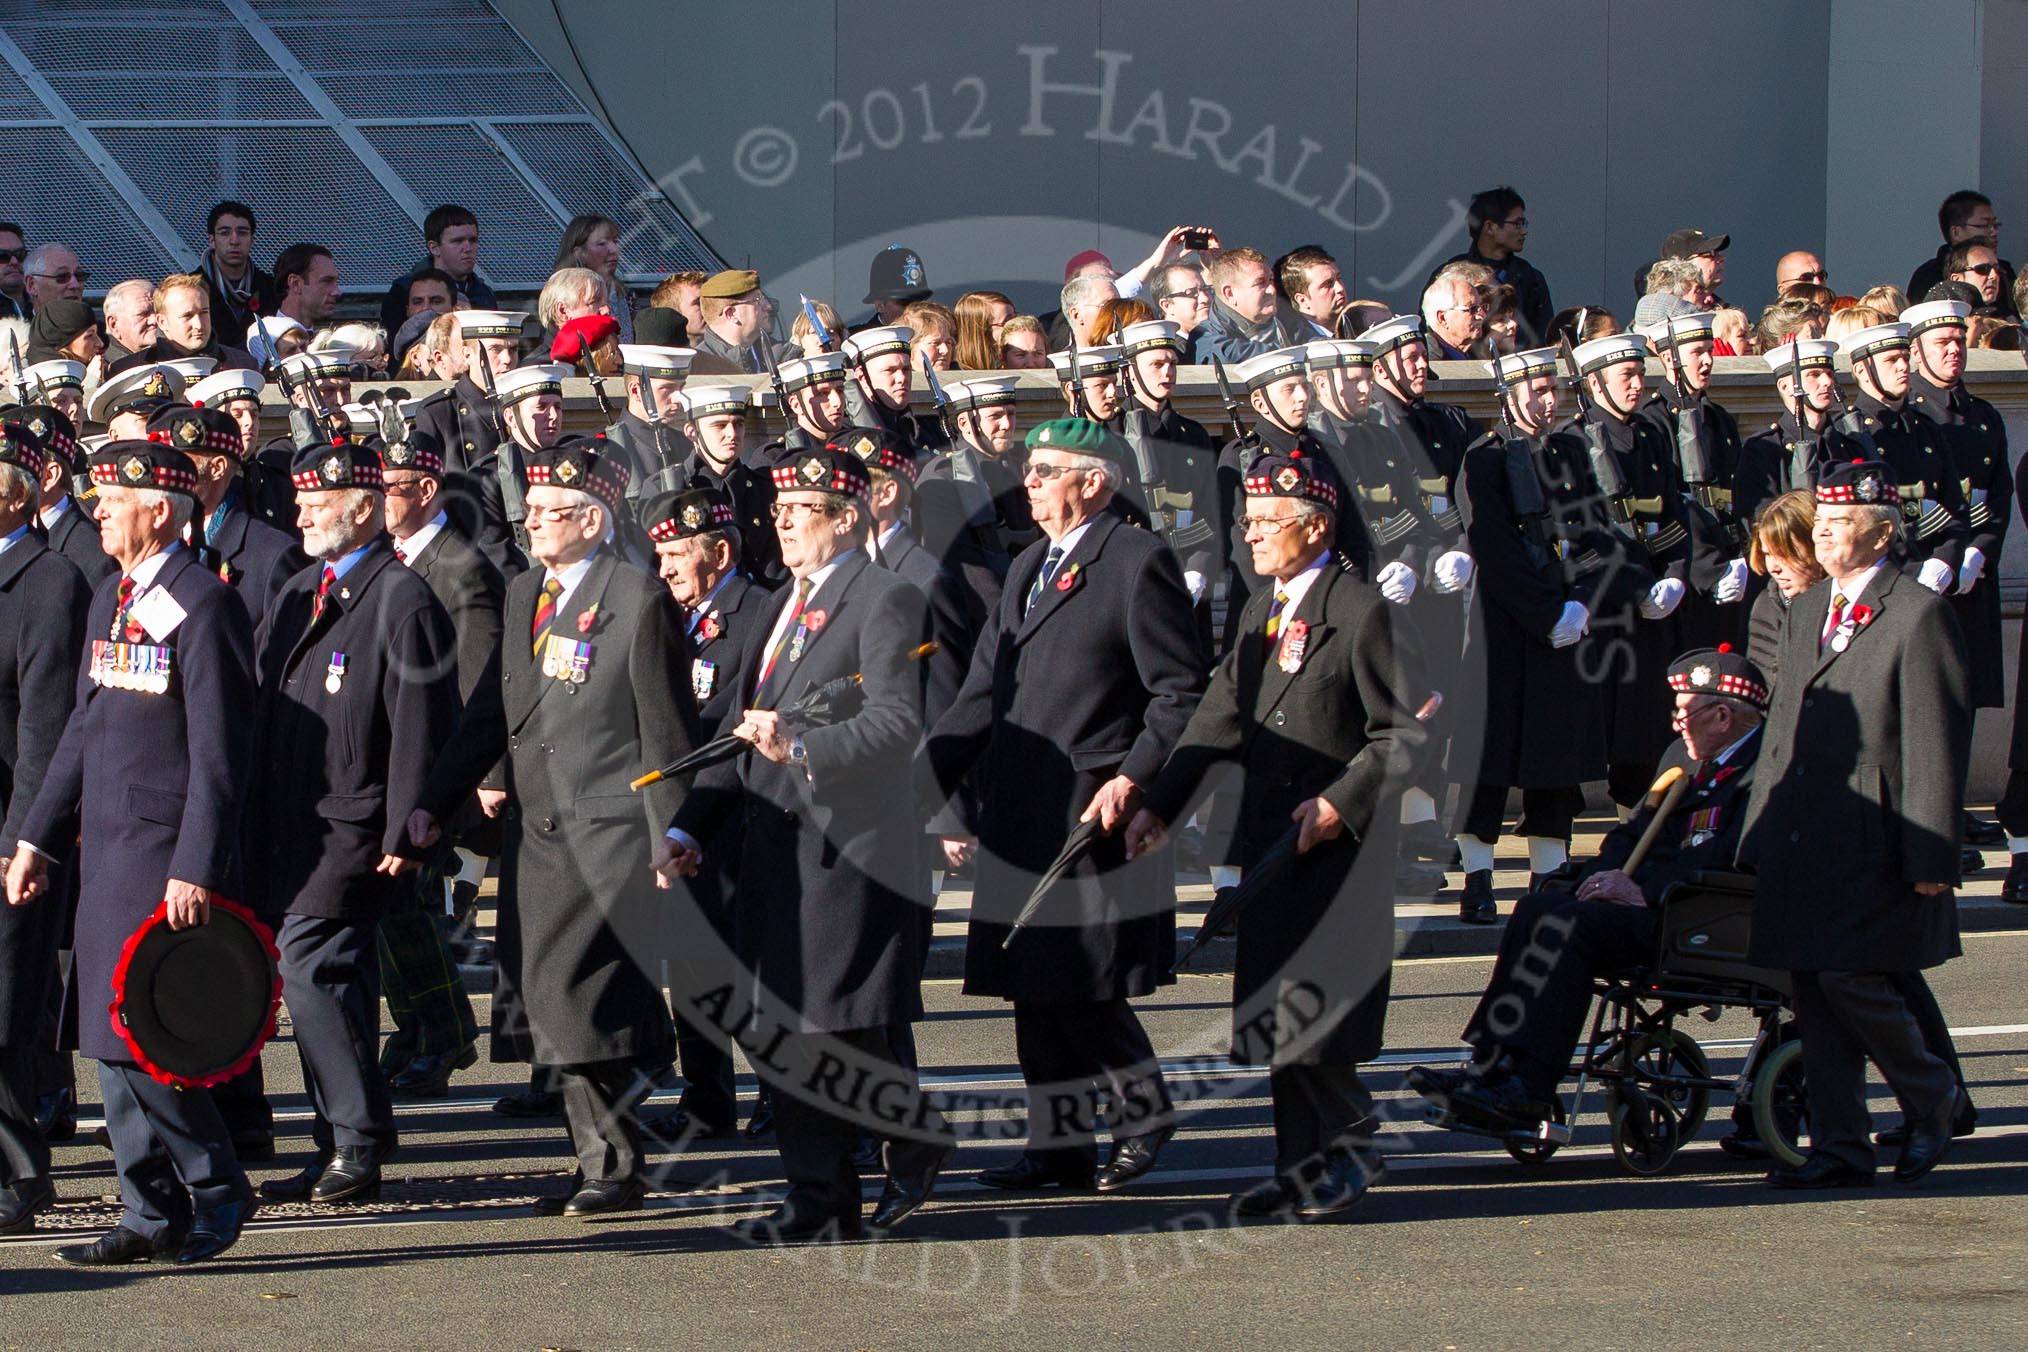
[911, 270]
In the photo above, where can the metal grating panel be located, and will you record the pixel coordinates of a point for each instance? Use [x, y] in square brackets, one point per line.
[57, 196]
[441, 161]
[586, 174]
[148, 97]
[301, 182]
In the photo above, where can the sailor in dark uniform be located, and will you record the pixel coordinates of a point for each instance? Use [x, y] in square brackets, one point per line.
[1175, 461]
[814, 390]
[58, 383]
[648, 428]
[1628, 651]
[714, 421]
[1277, 386]
[879, 394]
[1706, 438]
[489, 500]
[1788, 455]
[463, 418]
[269, 497]
[970, 496]
[1933, 508]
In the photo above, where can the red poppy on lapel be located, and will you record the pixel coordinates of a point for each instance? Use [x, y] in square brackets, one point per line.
[589, 618]
[1069, 578]
[813, 620]
[711, 628]
[1862, 615]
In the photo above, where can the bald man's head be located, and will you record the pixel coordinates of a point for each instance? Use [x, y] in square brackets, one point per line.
[1799, 267]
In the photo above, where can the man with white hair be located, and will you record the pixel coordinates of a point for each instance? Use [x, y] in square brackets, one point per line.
[1454, 313]
[52, 272]
[358, 694]
[129, 310]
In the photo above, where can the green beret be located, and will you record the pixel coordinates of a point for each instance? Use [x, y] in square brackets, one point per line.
[732, 282]
[1079, 436]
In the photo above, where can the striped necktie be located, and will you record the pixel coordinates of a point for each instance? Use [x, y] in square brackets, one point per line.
[120, 611]
[1837, 618]
[789, 628]
[323, 590]
[1274, 624]
[545, 612]
[1050, 563]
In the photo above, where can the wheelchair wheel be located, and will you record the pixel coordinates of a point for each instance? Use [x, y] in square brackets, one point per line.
[1672, 1054]
[1780, 1112]
[1646, 1131]
[1533, 1151]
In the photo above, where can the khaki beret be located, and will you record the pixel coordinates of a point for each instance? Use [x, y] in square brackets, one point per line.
[732, 282]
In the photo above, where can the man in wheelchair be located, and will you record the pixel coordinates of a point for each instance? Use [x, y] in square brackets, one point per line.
[1600, 917]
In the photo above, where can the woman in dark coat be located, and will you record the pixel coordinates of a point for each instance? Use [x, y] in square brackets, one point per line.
[1781, 551]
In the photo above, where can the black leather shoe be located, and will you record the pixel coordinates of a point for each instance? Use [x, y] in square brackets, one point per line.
[430, 1076]
[18, 1211]
[762, 1123]
[1928, 1141]
[254, 1147]
[1345, 1180]
[1026, 1175]
[554, 1205]
[596, 1199]
[2014, 887]
[56, 1117]
[796, 1222]
[1133, 1157]
[530, 1103]
[296, 1187]
[216, 1230]
[1744, 1145]
[1963, 1123]
[1984, 831]
[1970, 861]
[1475, 904]
[353, 1175]
[1822, 1171]
[684, 1125]
[119, 1247]
[1496, 1101]
[1274, 1196]
[912, 1169]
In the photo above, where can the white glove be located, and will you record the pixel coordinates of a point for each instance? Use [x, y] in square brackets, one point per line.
[1662, 600]
[1973, 568]
[1451, 572]
[1934, 574]
[1196, 582]
[1733, 585]
[1396, 582]
[1570, 626]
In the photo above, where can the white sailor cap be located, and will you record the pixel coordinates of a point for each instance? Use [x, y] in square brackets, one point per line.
[332, 361]
[135, 386]
[1863, 343]
[987, 392]
[1690, 326]
[701, 401]
[1807, 353]
[365, 421]
[1257, 373]
[761, 395]
[1610, 350]
[1335, 354]
[526, 382]
[491, 323]
[825, 368]
[192, 368]
[215, 391]
[57, 375]
[1394, 332]
[1152, 333]
[869, 343]
[660, 363]
[1932, 313]
[1517, 368]
[1091, 361]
